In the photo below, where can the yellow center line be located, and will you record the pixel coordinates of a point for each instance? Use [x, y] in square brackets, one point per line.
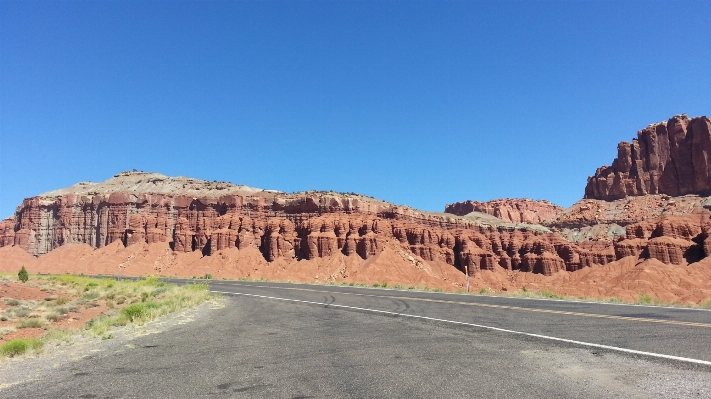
[487, 305]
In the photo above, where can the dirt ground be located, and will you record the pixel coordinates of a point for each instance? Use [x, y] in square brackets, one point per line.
[28, 310]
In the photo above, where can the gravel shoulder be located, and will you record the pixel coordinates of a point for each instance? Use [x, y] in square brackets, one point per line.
[63, 354]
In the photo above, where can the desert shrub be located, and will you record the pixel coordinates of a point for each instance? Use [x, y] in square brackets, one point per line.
[159, 291]
[58, 334]
[22, 275]
[19, 346]
[207, 276]
[22, 312]
[12, 302]
[173, 298]
[706, 304]
[100, 325]
[144, 296]
[62, 310]
[91, 295]
[644, 299]
[72, 308]
[548, 294]
[54, 317]
[120, 300]
[30, 323]
[62, 300]
[134, 312]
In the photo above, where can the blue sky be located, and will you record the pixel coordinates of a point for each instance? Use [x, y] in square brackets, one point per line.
[417, 103]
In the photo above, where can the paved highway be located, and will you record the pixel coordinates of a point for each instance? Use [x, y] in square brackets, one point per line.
[673, 332]
[273, 340]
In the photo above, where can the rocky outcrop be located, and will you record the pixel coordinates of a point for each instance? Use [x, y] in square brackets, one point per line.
[670, 158]
[519, 210]
[669, 239]
[136, 207]
[598, 220]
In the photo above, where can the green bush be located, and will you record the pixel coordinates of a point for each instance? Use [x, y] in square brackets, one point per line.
[19, 346]
[22, 275]
[135, 311]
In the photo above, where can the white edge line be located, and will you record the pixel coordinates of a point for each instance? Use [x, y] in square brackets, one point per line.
[570, 341]
[476, 295]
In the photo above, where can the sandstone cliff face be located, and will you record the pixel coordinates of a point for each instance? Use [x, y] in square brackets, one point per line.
[518, 210]
[669, 239]
[313, 225]
[135, 208]
[670, 157]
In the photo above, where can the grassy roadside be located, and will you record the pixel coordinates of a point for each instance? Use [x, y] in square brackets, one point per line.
[120, 302]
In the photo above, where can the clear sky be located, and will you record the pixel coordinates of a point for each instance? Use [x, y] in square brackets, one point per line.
[418, 103]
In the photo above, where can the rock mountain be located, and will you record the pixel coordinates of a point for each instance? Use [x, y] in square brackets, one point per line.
[202, 217]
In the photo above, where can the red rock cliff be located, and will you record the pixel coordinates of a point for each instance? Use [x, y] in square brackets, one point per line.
[672, 157]
[519, 210]
[193, 215]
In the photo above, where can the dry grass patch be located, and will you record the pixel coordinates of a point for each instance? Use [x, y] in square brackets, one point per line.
[70, 298]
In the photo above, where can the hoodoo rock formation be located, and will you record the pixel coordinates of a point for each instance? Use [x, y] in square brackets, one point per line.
[519, 210]
[672, 158]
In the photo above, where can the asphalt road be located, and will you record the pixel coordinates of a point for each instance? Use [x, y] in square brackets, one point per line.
[667, 331]
[296, 341]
